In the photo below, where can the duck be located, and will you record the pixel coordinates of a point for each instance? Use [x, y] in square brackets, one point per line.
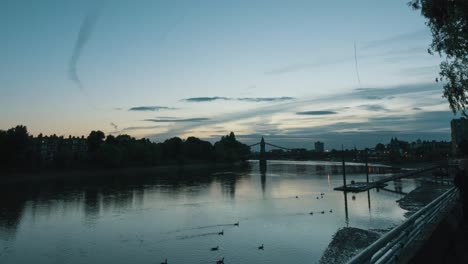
[221, 233]
[260, 247]
[323, 212]
[297, 197]
[317, 197]
[221, 261]
[331, 211]
[215, 248]
[236, 224]
[165, 262]
[311, 213]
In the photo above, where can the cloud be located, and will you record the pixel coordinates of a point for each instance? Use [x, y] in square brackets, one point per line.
[409, 36]
[164, 120]
[303, 66]
[317, 113]
[423, 125]
[265, 99]
[373, 97]
[242, 99]
[150, 108]
[114, 126]
[374, 107]
[204, 99]
[84, 34]
[336, 99]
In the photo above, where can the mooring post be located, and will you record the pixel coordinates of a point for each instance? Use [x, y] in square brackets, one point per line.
[367, 170]
[344, 169]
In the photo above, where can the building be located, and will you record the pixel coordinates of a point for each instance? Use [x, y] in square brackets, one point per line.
[319, 146]
[459, 132]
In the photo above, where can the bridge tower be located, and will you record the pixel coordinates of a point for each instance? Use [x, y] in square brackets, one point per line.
[262, 157]
[262, 149]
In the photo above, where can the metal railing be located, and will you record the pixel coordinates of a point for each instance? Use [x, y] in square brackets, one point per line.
[388, 247]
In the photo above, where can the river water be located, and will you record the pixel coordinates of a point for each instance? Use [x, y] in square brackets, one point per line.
[178, 215]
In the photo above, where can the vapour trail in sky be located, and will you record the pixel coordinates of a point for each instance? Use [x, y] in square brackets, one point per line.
[84, 35]
[356, 64]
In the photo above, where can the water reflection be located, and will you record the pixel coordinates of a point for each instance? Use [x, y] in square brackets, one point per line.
[145, 214]
[263, 169]
[345, 194]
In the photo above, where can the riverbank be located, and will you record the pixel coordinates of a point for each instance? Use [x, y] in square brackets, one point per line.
[17, 177]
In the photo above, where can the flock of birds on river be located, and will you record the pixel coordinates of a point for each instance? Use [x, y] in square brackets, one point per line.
[261, 247]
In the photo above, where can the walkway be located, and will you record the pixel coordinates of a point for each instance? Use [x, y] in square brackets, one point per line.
[447, 244]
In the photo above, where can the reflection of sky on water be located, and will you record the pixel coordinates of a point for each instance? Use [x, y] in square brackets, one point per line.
[143, 218]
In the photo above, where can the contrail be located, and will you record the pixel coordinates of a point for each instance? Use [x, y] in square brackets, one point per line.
[356, 64]
[116, 127]
[83, 37]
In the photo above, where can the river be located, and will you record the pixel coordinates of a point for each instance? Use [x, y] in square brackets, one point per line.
[178, 216]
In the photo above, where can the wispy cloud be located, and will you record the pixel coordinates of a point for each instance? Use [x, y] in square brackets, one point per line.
[243, 99]
[374, 107]
[317, 113]
[150, 108]
[303, 66]
[414, 35]
[84, 35]
[164, 120]
[114, 126]
[288, 106]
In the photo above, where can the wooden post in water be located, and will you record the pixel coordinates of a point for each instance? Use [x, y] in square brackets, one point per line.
[344, 168]
[367, 170]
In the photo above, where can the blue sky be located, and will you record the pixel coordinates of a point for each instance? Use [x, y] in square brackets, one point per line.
[282, 69]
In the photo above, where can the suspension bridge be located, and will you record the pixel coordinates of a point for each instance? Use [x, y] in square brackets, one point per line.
[263, 144]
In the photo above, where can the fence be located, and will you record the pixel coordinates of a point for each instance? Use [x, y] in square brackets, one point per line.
[387, 249]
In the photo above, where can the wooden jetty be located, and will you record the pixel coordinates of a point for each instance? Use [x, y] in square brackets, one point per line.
[360, 186]
[364, 186]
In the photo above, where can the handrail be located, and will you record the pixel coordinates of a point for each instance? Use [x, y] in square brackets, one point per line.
[402, 232]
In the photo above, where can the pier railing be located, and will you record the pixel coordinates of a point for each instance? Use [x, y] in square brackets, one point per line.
[388, 248]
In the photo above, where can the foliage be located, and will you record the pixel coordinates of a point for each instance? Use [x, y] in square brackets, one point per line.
[20, 151]
[448, 21]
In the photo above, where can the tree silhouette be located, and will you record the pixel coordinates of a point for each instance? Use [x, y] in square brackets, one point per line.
[448, 21]
[95, 140]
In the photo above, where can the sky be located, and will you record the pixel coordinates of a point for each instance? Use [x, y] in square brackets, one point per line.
[343, 72]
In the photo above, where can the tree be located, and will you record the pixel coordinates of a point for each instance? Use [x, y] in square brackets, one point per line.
[448, 21]
[229, 149]
[380, 147]
[95, 140]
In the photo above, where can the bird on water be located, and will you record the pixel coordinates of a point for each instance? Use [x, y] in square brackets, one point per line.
[260, 247]
[221, 261]
[215, 248]
[236, 224]
[165, 262]
[221, 233]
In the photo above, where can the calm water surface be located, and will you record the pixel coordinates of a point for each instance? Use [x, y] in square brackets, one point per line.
[147, 218]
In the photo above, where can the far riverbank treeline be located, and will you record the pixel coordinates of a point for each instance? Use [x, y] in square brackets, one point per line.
[21, 151]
